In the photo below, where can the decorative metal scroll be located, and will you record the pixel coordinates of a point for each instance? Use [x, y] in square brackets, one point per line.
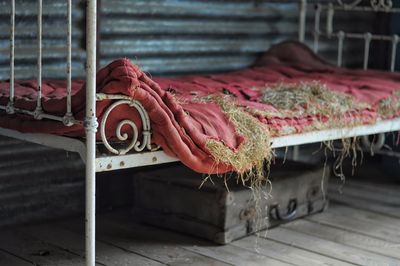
[385, 4]
[350, 4]
[134, 143]
[375, 4]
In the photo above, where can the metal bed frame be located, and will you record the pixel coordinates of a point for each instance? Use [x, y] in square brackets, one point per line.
[134, 155]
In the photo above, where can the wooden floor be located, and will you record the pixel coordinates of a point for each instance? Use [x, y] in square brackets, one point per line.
[361, 227]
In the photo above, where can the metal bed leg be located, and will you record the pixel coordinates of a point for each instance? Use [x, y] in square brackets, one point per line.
[90, 124]
[90, 214]
[296, 153]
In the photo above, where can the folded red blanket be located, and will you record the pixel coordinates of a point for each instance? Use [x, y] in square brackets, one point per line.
[206, 120]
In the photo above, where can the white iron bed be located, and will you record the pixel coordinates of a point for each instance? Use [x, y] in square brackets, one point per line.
[142, 154]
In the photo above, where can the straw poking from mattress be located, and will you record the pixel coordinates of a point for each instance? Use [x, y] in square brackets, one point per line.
[250, 157]
[390, 106]
[309, 98]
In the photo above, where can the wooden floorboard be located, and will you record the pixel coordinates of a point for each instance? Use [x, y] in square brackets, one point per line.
[73, 242]
[284, 252]
[197, 252]
[328, 248]
[381, 231]
[361, 227]
[35, 250]
[368, 192]
[9, 259]
[163, 246]
[347, 238]
[363, 204]
[368, 196]
[365, 215]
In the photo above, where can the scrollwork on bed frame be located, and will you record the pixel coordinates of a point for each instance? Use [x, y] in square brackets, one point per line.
[375, 4]
[134, 144]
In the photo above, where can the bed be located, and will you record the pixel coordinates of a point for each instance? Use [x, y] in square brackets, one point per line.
[123, 118]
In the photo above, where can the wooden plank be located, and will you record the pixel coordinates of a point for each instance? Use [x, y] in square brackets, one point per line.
[328, 248]
[8, 259]
[159, 245]
[286, 253]
[345, 237]
[365, 204]
[227, 254]
[364, 215]
[36, 251]
[354, 224]
[105, 254]
[390, 189]
[236, 255]
[367, 193]
[206, 253]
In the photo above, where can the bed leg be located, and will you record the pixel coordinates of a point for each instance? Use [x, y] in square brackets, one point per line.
[90, 215]
[90, 125]
[296, 153]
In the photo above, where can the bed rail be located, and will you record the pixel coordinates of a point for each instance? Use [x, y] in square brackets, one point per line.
[329, 32]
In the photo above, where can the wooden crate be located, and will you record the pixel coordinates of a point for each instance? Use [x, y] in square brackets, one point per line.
[171, 198]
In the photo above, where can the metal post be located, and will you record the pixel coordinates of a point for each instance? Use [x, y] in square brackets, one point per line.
[38, 110]
[341, 36]
[10, 106]
[317, 31]
[302, 20]
[395, 41]
[367, 37]
[90, 128]
[329, 20]
[69, 52]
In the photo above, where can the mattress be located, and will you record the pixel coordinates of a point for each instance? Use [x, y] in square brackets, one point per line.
[288, 90]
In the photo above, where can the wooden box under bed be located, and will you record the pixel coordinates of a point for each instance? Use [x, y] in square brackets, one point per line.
[172, 198]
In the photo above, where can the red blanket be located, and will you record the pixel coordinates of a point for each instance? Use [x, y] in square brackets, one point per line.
[181, 123]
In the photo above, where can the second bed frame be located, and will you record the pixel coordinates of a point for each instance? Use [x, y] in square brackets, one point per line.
[141, 153]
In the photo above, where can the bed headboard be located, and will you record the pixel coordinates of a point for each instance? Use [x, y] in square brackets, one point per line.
[327, 28]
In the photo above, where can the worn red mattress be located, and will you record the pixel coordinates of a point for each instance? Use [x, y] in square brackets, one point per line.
[182, 125]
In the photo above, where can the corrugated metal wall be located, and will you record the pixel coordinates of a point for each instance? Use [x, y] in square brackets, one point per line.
[169, 37]
[175, 36]
[164, 37]
[38, 182]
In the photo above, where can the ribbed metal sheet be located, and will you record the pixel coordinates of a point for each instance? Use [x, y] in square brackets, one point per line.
[37, 182]
[162, 36]
[183, 36]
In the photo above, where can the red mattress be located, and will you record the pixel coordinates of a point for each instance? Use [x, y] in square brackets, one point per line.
[180, 123]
